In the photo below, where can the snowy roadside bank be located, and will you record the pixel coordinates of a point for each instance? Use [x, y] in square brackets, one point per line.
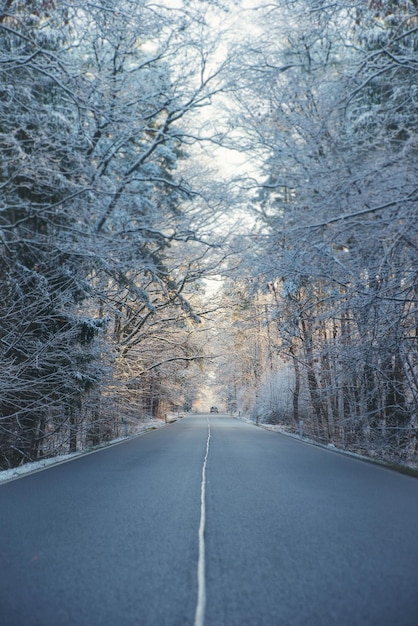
[37, 466]
[410, 470]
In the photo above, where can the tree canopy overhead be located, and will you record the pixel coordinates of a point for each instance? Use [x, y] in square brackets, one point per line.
[119, 195]
[101, 252]
[327, 101]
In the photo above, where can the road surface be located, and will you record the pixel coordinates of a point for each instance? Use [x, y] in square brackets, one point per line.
[290, 535]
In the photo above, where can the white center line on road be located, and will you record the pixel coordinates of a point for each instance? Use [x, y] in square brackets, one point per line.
[199, 619]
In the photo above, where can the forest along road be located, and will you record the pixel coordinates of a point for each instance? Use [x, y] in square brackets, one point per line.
[292, 534]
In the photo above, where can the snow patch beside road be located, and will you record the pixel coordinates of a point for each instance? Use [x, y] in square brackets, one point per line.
[410, 469]
[37, 466]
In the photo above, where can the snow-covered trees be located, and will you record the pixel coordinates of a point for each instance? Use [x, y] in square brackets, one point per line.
[46, 358]
[105, 227]
[99, 250]
[331, 103]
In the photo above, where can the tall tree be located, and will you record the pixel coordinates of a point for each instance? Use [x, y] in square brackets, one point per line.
[45, 369]
[334, 109]
[99, 228]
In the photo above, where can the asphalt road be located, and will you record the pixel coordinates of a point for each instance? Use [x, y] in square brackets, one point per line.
[294, 535]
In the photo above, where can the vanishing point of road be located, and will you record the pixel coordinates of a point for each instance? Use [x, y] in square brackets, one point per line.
[210, 522]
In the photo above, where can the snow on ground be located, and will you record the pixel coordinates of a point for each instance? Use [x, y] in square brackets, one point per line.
[411, 468]
[36, 466]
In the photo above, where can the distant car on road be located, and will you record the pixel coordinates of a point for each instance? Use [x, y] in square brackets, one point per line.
[214, 409]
